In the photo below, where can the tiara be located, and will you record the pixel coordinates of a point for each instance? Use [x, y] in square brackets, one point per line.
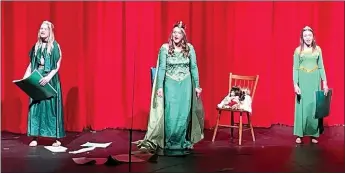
[307, 28]
[181, 25]
[49, 23]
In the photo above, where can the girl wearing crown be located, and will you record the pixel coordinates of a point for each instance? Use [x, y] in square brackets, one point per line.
[45, 117]
[176, 119]
[308, 71]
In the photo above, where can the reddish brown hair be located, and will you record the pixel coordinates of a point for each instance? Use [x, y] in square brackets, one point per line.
[183, 43]
[313, 43]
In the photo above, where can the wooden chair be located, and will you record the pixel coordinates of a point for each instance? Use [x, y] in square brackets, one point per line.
[249, 82]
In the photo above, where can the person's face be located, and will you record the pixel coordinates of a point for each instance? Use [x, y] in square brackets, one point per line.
[308, 37]
[177, 35]
[44, 31]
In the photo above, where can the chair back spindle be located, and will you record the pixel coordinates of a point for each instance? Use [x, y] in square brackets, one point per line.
[241, 81]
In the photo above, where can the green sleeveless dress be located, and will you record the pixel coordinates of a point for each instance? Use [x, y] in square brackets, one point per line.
[45, 118]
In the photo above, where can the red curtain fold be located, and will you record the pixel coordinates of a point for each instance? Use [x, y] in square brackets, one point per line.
[109, 47]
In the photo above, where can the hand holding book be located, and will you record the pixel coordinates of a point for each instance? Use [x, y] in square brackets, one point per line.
[325, 88]
[45, 80]
[32, 86]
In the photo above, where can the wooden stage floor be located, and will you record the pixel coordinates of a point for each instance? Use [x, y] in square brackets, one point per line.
[274, 151]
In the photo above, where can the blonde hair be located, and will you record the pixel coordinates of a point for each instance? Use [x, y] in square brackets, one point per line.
[51, 38]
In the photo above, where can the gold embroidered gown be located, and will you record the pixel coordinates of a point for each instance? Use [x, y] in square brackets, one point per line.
[176, 120]
[308, 70]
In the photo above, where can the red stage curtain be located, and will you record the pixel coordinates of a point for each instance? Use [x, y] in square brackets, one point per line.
[102, 41]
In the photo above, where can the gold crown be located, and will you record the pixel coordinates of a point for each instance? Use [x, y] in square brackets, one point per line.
[180, 24]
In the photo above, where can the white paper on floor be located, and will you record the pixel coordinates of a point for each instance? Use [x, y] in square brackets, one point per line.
[90, 146]
[83, 150]
[101, 145]
[56, 149]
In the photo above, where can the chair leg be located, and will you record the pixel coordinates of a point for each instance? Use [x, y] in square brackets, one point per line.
[232, 123]
[251, 126]
[216, 128]
[240, 131]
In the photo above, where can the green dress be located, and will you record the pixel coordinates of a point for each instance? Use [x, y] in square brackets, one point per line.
[307, 73]
[176, 120]
[45, 118]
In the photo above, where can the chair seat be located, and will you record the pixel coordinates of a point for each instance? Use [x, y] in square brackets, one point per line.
[231, 110]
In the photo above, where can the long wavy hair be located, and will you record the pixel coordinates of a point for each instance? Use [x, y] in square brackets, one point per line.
[313, 43]
[50, 41]
[183, 42]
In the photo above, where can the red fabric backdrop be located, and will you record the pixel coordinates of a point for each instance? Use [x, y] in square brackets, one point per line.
[101, 42]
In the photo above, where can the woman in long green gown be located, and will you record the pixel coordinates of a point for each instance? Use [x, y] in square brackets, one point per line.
[308, 71]
[45, 118]
[176, 119]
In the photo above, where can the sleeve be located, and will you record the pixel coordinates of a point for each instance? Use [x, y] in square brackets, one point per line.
[321, 66]
[162, 56]
[57, 52]
[295, 67]
[194, 67]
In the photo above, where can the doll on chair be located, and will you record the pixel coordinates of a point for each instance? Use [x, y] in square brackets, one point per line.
[232, 100]
[237, 99]
[245, 100]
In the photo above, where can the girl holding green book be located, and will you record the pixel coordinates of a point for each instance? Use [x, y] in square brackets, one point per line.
[45, 118]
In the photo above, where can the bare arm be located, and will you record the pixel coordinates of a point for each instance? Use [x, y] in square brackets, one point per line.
[28, 71]
[54, 71]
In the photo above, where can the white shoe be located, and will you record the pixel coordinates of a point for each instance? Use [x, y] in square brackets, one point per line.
[299, 140]
[33, 143]
[57, 143]
[314, 141]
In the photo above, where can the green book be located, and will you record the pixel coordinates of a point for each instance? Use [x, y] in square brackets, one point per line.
[323, 103]
[33, 89]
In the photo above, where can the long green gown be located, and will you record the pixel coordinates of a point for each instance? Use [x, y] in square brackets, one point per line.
[308, 72]
[176, 120]
[45, 118]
